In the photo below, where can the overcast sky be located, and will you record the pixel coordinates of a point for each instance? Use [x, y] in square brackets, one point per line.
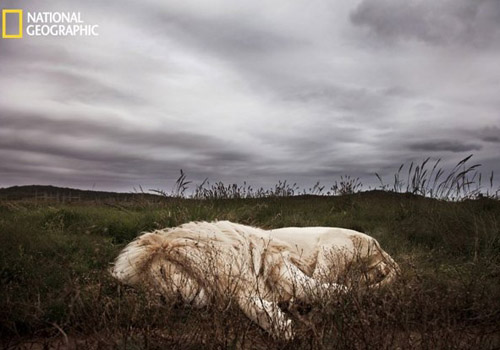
[249, 90]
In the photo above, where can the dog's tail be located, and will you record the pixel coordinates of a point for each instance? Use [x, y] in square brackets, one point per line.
[136, 258]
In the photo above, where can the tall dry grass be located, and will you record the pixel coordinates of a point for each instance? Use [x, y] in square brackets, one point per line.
[461, 182]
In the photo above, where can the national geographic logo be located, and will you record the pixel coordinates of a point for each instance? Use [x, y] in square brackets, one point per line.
[45, 24]
[13, 14]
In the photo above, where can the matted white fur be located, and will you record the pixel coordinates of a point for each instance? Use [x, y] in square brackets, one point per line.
[258, 268]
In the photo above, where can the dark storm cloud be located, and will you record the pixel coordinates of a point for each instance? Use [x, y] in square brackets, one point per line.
[80, 149]
[462, 22]
[18, 122]
[56, 160]
[15, 124]
[443, 145]
[490, 134]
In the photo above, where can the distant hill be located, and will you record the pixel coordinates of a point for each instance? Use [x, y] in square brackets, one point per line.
[64, 194]
[40, 193]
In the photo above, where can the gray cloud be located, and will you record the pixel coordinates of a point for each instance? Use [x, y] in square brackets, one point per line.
[444, 145]
[461, 22]
[33, 144]
[19, 123]
[227, 35]
[490, 134]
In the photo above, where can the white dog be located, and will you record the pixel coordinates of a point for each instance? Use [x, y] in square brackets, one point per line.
[256, 268]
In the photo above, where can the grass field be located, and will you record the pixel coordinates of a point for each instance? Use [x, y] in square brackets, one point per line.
[56, 290]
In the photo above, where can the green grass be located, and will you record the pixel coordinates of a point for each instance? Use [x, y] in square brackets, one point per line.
[54, 260]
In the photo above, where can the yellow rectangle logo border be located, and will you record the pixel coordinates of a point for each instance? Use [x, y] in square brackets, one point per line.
[4, 24]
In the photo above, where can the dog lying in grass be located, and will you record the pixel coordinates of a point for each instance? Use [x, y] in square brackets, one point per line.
[204, 261]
